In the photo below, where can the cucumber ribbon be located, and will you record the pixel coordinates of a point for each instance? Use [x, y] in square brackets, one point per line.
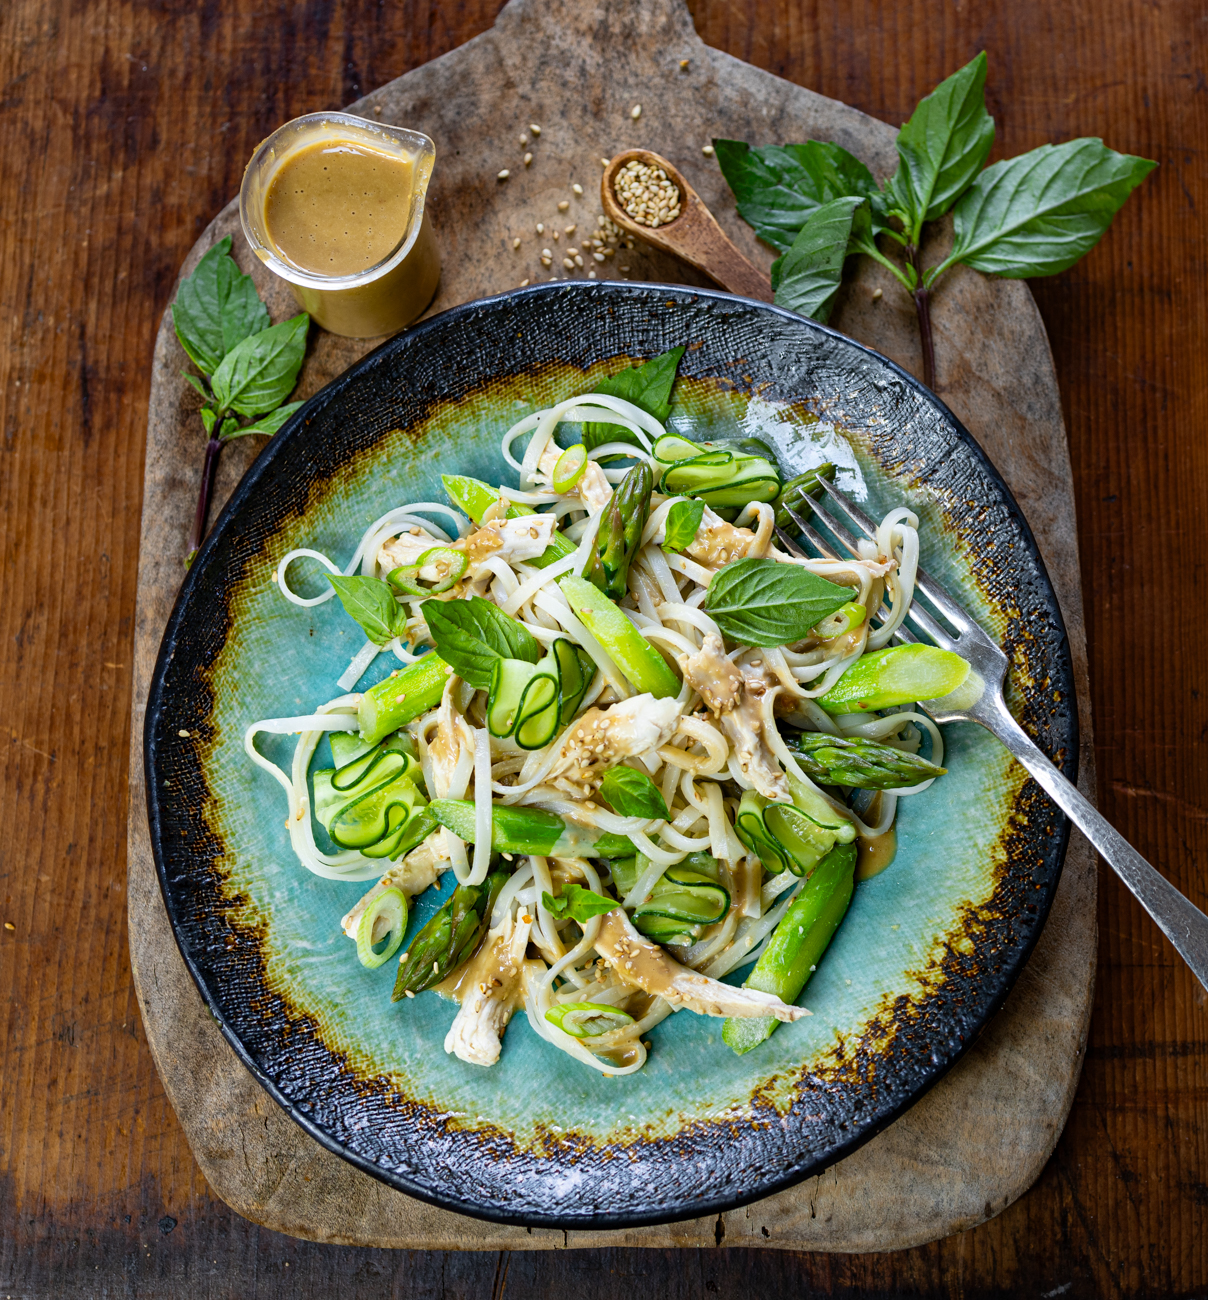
[531, 701]
[790, 836]
[374, 803]
[719, 476]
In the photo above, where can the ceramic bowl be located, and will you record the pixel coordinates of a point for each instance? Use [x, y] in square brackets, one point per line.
[929, 949]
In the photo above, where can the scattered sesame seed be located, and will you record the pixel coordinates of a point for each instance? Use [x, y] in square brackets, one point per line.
[409, 993]
[568, 264]
[535, 129]
[545, 261]
[605, 161]
[8, 925]
[598, 256]
[684, 64]
[524, 284]
[635, 112]
[708, 151]
[570, 230]
[377, 108]
[184, 735]
[625, 270]
[591, 275]
[546, 253]
[576, 188]
[503, 175]
[523, 141]
[528, 158]
[516, 242]
[876, 293]
[555, 235]
[563, 205]
[541, 227]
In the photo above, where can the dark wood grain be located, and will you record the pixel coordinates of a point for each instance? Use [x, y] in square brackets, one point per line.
[126, 128]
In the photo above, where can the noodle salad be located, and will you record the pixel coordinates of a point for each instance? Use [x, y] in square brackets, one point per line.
[649, 743]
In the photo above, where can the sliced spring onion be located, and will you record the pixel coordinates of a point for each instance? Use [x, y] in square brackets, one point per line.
[587, 1019]
[385, 919]
[842, 621]
[569, 468]
[450, 566]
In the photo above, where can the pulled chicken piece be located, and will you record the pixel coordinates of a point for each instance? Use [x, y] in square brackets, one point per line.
[601, 738]
[490, 986]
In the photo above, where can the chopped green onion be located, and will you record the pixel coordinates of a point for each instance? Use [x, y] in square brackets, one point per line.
[450, 566]
[569, 467]
[842, 621]
[390, 909]
[587, 1019]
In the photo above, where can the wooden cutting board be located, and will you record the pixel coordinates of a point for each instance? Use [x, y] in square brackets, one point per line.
[978, 1140]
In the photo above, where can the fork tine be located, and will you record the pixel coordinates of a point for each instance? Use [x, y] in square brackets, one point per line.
[923, 580]
[789, 544]
[812, 535]
[934, 629]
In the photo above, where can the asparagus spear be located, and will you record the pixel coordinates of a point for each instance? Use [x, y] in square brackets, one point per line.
[530, 830]
[621, 531]
[856, 762]
[798, 943]
[395, 701]
[797, 492]
[450, 938]
[641, 663]
[899, 674]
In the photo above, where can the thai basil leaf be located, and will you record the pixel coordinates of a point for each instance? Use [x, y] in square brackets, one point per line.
[647, 386]
[1039, 213]
[778, 187]
[216, 308]
[806, 279]
[259, 374]
[683, 523]
[371, 603]
[577, 903]
[769, 602]
[209, 418]
[269, 424]
[630, 793]
[470, 635]
[194, 382]
[942, 148]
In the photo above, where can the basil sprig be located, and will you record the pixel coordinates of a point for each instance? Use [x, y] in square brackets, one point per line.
[647, 386]
[577, 903]
[1028, 216]
[248, 367]
[371, 603]
[683, 523]
[630, 793]
[770, 603]
[470, 635]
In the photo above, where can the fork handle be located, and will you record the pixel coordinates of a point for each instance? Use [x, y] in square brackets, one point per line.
[1178, 918]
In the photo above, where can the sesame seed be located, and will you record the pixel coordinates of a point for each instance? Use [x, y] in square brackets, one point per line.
[377, 108]
[523, 141]
[598, 256]
[563, 205]
[876, 293]
[647, 193]
[576, 189]
[568, 264]
[8, 925]
[555, 235]
[184, 735]
[528, 158]
[524, 284]
[516, 242]
[546, 253]
[570, 230]
[605, 161]
[708, 151]
[684, 64]
[635, 112]
[591, 275]
[535, 129]
[541, 227]
[503, 175]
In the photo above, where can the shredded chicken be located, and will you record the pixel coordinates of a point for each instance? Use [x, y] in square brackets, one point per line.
[734, 694]
[452, 732]
[593, 489]
[717, 542]
[513, 540]
[404, 550]
[491, 987]
[602, 737]
[646, 966]
[412, 875]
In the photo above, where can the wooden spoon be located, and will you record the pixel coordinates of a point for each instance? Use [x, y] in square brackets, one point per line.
[694, 236]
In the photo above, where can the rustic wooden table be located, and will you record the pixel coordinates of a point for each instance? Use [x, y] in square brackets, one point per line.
[126, 126]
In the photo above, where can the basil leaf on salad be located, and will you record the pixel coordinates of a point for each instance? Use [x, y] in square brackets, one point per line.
[216, 308]
[630, 793]
[577, 903]
[769, 602]
[371, 603]
[683, 523]
[942, 148]
[470, 635]
[806, 279]
[777, 187]
[1039, 213]
[647, 386]
[261, 371]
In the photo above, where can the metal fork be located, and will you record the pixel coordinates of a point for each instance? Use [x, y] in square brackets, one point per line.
[981, 701]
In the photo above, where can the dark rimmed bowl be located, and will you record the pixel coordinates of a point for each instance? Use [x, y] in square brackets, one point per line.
[930, 948]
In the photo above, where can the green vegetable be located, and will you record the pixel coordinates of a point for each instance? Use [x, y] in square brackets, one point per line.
[630, 793]
[647, 386]
[641, 663]
[806, 279]
[722, 479]
[620, 532]
[259, 373]
[841, 621]
[476, 498]
[900, 674]
[450, 938]
[569, 467]
[267, 425]
[390, 907]
[798, 491]
[587, 1019]
[857, 762]
[529, 830]
[216, 308]
[370, 603]
[449, 564]
[778, 187]
[373, 803]
[797, 944]
[770, 603]
[524, 701]
[1039, 213]
[790, 836]
[398, 699]
[683, 523]
[472, 635]
[684, 895]
[942, 148]
[577, 903]
[347, 745]
[576, 669]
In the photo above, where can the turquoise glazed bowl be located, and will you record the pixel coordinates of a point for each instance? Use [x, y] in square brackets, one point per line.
[929, 949]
